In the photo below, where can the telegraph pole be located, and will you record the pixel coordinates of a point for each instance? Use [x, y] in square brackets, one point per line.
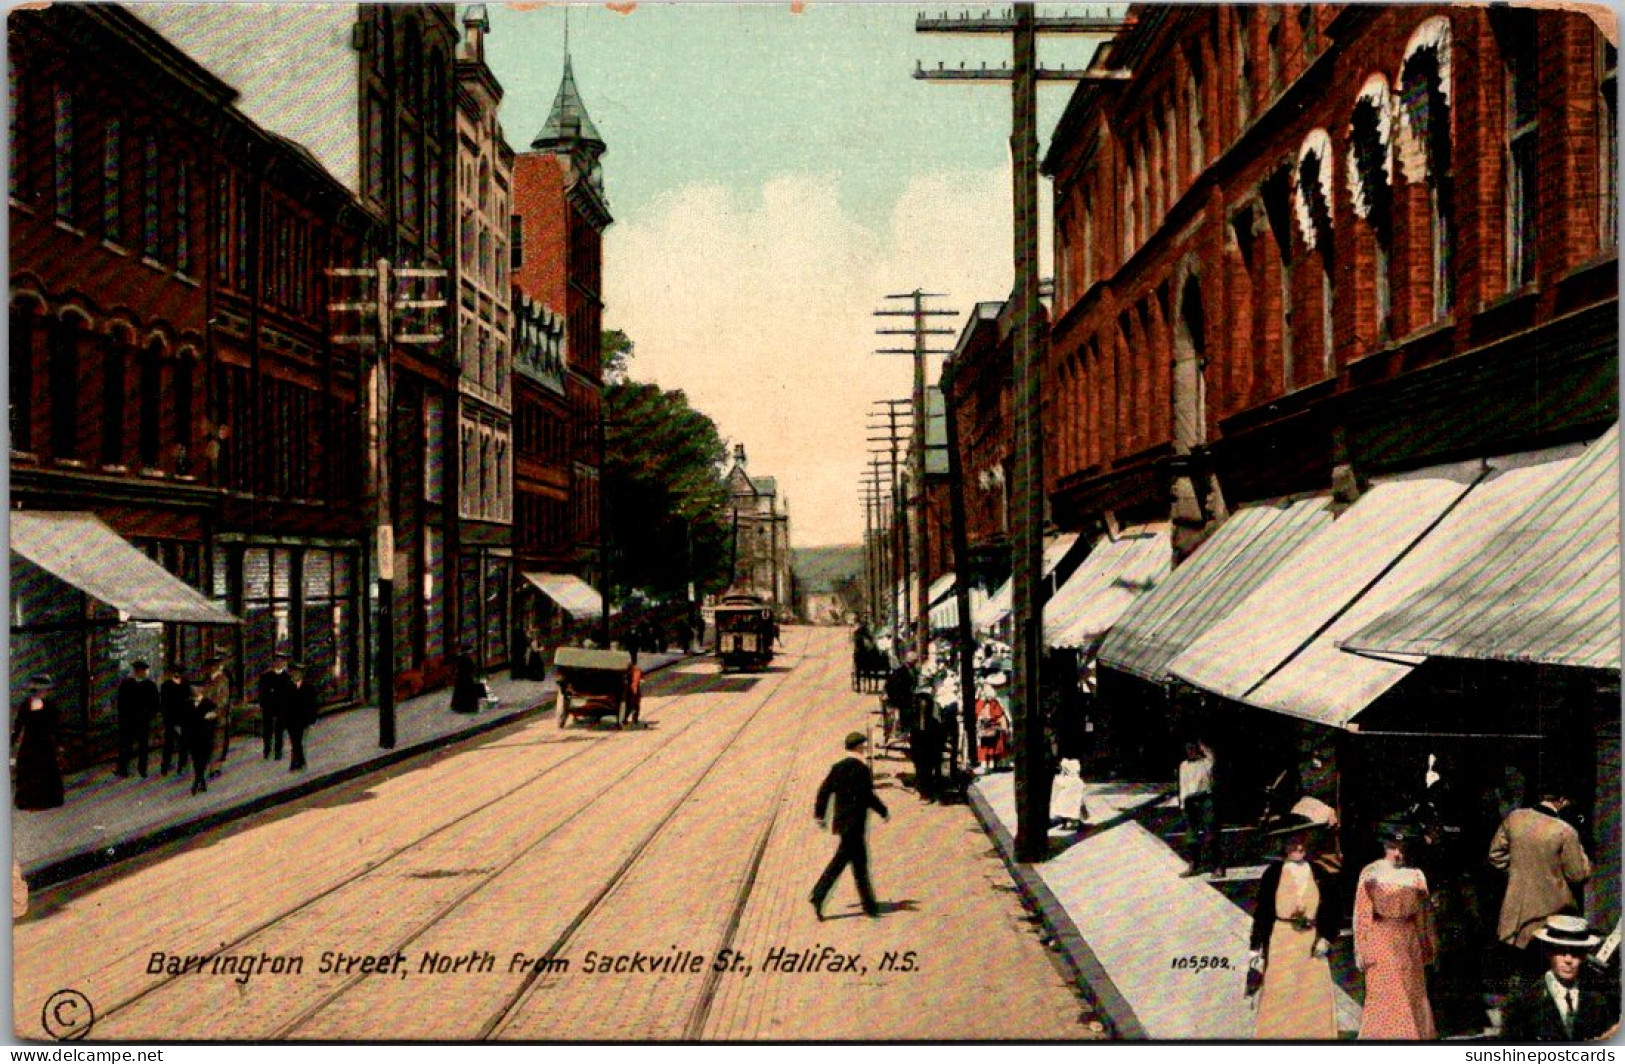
[1027, 521]
[919, 313]
[956, 509]
[386, 332]
[898, 543]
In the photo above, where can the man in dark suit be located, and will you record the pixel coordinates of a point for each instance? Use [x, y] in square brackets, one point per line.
[137, 704]
[852, 787]
[301, 713]
[1563, 1005]
[202, 717]
[175, 704]
[276, 696]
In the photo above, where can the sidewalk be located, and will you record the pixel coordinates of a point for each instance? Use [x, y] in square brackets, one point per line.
[107, 819]
[1164, 956]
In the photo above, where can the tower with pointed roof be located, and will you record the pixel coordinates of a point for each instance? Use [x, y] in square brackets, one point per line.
[559, 216]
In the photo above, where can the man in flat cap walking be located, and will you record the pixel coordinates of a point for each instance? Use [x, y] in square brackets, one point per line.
[852, 787]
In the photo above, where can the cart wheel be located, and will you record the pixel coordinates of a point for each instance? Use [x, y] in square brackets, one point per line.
[563, 708]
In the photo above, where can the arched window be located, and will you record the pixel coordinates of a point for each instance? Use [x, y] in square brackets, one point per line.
[21, 390]
[1312, 202]
[63, 370]
[1370, 174]
[148, 432]
[1425, 146]
[115, 349]
[183, 415]
[1276, 194]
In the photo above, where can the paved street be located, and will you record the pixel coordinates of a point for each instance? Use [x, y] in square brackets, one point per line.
[480, 892]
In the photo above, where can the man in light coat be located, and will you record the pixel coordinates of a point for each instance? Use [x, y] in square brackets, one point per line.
[1544, 860]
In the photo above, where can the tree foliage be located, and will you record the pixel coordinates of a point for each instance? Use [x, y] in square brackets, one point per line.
[664, 489]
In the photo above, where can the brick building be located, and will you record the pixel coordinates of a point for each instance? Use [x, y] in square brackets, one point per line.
[1315, 257]
[371, 102]
[1257, 287]
[559, 217]
[485, 328]
[168, 331]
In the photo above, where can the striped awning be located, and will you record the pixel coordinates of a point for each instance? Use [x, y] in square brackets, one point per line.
[570, 593]
[945, 614]
[1116, 573]
[1235, 560]
[997, 606]
[1542, 588]
[80, 550]
[1393, 542]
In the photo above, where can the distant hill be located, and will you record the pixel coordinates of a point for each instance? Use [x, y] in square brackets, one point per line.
[818, 569]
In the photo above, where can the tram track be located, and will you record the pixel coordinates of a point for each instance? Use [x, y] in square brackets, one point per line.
[694, 1024]
[383, 866]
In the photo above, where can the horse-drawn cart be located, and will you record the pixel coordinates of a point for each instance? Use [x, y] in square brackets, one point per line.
[597, 684]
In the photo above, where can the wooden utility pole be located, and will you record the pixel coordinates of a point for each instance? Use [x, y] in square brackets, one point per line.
[918, 312]
[956, 509]
[1033, 780]
[386, 331]
[898, 543]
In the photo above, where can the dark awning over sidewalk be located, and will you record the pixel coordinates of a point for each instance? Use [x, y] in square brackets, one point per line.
[80, 550]
[1239, 557]
[1544, 588]
[572, 594]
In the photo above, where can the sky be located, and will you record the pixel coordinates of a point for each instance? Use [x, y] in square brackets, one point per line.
[774, 174]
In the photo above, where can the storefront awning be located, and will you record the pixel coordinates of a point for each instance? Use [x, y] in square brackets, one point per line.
[1235, 560]
[1279, 649]
[940, 587]
[945, 615]
[1116, 573]
[78, 549]
[998, 605]
[1544, 588]
[572, 594]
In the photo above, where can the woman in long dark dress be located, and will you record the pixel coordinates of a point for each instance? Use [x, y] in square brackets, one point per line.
[35, 735]
[465, 687]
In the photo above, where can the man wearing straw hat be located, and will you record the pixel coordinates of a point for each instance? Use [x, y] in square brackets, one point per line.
[1563, 1005]
[852, 786]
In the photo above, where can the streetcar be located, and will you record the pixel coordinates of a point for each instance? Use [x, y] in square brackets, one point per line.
[746, 631]
[597, 684]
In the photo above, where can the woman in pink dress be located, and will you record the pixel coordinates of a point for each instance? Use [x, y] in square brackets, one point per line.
[1393, 943]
